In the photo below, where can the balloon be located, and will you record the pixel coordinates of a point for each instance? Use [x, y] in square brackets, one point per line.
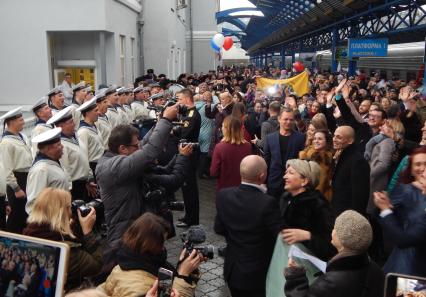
[298, 66]
[218, 40]
[227, 43]
[214, 47]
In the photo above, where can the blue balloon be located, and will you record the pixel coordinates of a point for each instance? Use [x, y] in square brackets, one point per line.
[214, 46]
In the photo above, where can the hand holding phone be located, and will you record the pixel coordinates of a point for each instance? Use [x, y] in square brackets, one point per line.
[165, 281]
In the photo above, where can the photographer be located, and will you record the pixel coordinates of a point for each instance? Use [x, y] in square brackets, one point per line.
[120, 173]
[141, 254]
[50, 219]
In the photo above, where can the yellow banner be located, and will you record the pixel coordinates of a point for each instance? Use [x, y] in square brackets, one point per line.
[299, 83]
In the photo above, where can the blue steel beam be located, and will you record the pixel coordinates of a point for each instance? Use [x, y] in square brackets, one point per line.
[234, 21]
[226, 13]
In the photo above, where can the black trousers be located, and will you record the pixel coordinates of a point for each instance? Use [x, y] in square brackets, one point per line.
[17, 219]
[2, 212]
[93, 167]
[247, 293]
[190, 192]
[204, 165]
[79, 191]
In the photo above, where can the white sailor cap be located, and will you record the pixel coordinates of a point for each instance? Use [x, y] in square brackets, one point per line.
[39, 104]
[54, 91]
[155, 85]
[62, 115]
[12, 114]
[48, 137]
[88, 88]
[88, 105]
[121, 90]
[156, 96]
[140, 89]
[110, 90]
[100, 96]
[81, 85]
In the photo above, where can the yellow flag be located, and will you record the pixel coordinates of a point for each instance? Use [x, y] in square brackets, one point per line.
[299, 83]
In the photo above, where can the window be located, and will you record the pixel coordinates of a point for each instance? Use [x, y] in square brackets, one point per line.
[122, 59]
[132, 57]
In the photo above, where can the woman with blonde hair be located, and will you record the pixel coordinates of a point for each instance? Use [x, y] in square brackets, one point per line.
[318, 122]
[228, 154]
[51, 218]
[378, 152]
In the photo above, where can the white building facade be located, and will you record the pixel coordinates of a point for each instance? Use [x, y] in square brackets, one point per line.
[99, 41]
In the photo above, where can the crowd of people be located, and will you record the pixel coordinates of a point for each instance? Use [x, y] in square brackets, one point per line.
[340, 170]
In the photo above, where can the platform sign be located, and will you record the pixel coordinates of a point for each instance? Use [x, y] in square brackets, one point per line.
[367, 47]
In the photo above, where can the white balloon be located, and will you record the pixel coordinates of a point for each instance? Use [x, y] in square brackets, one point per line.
[218, 39]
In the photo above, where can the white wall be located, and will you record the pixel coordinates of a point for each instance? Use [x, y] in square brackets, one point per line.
[24, 49]
[164, 36]
[24, 45]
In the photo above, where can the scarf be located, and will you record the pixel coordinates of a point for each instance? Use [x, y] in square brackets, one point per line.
[372, 143]
[130, 260]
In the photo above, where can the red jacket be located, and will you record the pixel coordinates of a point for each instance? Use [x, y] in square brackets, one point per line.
[226, 163]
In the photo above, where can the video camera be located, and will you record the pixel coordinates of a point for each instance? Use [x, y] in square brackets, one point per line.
[194, 236]
[156, 200]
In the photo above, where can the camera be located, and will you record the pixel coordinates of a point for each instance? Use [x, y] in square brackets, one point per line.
[194, 236]
[184, 142]
[84, 208]
[156, 200]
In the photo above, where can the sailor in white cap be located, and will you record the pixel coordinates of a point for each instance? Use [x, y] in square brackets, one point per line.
[139, 105]
[79, 94]
[56, 99]
[103, 124]
[74, 160]
[2, 198]
[88, 135]
[15, 155]
[157, 101]
[112, 111]
[155, 88]
[89, 93]
[43, 113]
[128, 104]
[46, 170]
[122, 98]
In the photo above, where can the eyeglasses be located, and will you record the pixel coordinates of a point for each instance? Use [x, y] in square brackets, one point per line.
[134, 145]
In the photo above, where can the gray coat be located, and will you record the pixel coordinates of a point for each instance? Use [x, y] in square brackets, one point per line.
[120, 181]
[267, 127]
[380, 163]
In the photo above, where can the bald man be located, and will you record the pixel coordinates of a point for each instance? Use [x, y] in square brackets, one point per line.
[250, 221]
[351, 178]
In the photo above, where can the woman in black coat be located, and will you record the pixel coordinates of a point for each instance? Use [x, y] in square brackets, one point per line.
[350, 273]
[307, 215]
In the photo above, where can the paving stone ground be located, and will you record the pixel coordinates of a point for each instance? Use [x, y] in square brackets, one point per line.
[211, 283]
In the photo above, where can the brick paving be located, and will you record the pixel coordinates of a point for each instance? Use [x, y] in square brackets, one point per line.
[211, 283]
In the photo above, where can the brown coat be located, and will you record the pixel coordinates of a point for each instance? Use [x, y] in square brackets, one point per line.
[324, 160]
[135, 283]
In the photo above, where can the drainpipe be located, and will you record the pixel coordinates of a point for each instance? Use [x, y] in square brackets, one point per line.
[191, 38]
[140, 24]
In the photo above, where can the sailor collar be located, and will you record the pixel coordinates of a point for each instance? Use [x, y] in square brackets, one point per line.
[19, 137]
[42, 157]
[83, 124]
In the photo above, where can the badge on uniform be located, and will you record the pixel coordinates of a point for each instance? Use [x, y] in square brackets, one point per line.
[186, 124]
[191, 113]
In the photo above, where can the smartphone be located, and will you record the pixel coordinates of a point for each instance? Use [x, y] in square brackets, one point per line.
[400, 285]
[165, 281]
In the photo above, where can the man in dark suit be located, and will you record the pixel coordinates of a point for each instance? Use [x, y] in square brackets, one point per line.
[250, 221]
[351, 177]
[279, 147]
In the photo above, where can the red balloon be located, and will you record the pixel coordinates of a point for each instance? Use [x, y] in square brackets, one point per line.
[298, 66]
[227, 44]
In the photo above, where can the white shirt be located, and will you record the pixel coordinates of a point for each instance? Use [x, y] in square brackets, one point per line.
[124, 119]
[113, 117]
[67, 90]
[15, 155]
[104, 129]
[2, 182]
[130, 113]
[260, 187]
[76, 115]
[40, 127]
[73, 160]
[45, 173]
[90, 142]
[141, 112]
